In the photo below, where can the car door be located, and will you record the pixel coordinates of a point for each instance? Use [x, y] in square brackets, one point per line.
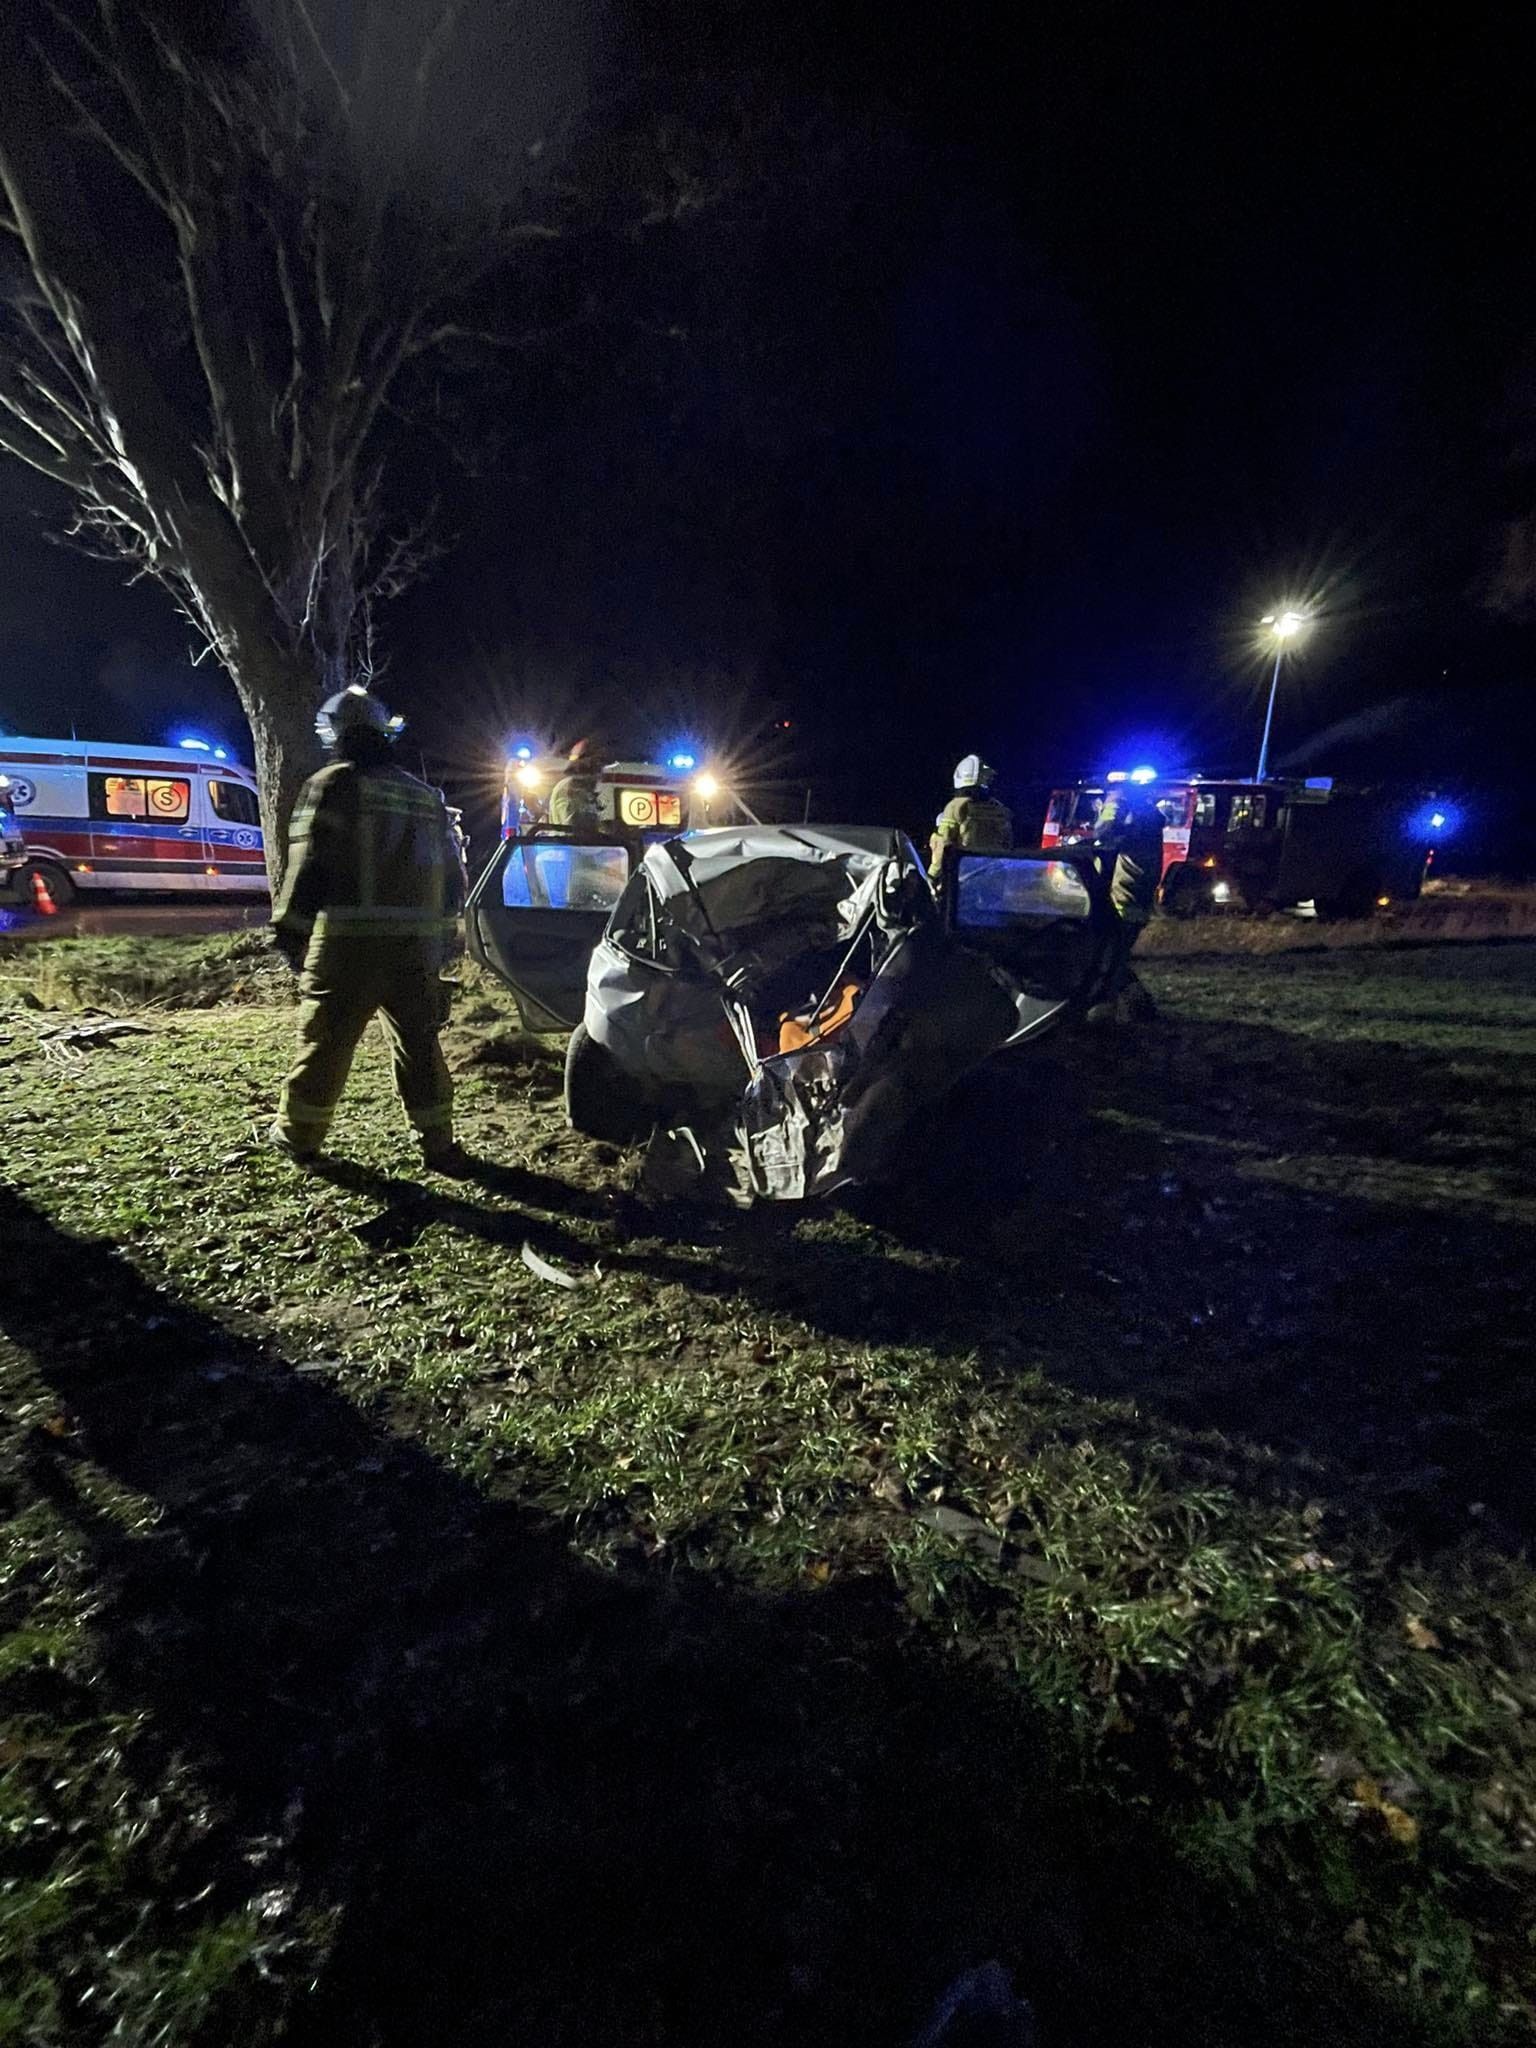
[1044, 918]
[536, 913]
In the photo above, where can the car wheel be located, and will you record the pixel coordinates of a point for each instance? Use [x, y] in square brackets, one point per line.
[601, 1100]
[46, 885]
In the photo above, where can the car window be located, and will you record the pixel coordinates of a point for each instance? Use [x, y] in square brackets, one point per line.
[234, 803]
[554, 876]
[997, 895]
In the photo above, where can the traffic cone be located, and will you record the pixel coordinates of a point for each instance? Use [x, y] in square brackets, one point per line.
[42, 897]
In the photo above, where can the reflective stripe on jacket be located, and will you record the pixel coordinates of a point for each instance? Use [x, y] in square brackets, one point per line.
[371, 853]
[976, 824]
[1132, 830]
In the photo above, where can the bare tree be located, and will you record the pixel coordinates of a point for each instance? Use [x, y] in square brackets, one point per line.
[239, 251]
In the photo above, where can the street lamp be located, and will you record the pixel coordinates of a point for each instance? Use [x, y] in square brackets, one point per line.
[1282, 628]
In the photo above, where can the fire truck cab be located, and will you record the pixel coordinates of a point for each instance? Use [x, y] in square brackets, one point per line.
[638, 798]
[1272, 845]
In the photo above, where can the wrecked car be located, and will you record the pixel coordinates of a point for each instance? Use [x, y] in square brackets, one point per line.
[772, 1008]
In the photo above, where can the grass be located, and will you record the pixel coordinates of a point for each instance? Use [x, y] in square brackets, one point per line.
[1145, 1504]
[143, 973]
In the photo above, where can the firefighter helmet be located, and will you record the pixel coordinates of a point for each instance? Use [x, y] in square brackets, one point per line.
[973, 773]
[354, 709]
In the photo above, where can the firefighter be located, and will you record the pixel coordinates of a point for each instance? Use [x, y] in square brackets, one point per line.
[1128, 836]
[573, 800]
[368, 915]
[973, 818]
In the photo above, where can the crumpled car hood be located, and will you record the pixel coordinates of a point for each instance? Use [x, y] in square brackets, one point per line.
[743, 1122]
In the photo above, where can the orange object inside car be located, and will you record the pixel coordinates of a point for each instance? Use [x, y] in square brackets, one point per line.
[797, 1032]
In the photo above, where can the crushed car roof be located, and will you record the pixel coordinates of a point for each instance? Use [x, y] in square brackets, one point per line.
[713, 853]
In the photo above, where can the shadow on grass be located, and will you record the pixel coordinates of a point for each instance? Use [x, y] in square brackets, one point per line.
[1294, 1241]
[564, 1807]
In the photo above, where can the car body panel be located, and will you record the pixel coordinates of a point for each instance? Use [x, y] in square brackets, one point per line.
[791, 999]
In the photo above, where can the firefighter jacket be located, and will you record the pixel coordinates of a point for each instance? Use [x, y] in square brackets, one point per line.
[977, 824]
[1130, 830]
[372, 854]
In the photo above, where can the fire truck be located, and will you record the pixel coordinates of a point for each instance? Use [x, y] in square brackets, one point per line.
[1348, 850]
[640, 797]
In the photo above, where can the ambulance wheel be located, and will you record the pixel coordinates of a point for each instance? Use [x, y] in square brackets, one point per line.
[45, 879]
[601, 1101]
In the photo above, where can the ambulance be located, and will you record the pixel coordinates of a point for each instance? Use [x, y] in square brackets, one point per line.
[644, 798]
[13, 849]
[98, 819]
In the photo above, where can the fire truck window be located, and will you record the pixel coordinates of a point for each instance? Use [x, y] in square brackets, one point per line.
[116, 796]
[1205, 807]
[1171, 810]
[1260, 807]
[234, 803]
[1248, 809]
[1055, 807]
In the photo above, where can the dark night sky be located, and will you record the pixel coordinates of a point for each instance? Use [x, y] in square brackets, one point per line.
[1112, 331]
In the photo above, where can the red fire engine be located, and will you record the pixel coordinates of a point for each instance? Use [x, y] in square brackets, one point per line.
[1244, 845]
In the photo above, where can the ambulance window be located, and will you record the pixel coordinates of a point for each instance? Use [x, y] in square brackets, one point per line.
[168, 801]
[116, 796]
[1205, 807]
[234, 803]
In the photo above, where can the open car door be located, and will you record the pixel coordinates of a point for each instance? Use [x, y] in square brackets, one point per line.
[1044, 918]
[536, 913]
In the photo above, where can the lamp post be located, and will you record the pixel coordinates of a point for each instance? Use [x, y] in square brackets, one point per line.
[1282, 628]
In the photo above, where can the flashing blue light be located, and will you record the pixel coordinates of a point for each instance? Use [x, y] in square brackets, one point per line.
[683, 761]
[522, 753]
[1143, 775]
[1115, 775]
[220, 754]
[195, 746]
[1435, 821]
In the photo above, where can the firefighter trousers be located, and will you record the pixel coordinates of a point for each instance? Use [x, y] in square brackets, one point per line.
[346, 982]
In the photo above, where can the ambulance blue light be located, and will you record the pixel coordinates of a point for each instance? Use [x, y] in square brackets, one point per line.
[195, 746]
[1143, 775]
[682, 761]
[220, 754]
[524, 753]
[1115, 775]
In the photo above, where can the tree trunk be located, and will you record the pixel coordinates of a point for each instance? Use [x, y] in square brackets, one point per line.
[283, 731]
[279, 687]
